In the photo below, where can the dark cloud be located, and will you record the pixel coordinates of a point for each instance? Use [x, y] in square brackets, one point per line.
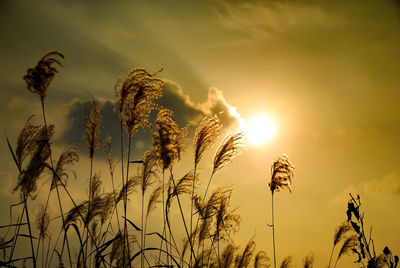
[185, 111]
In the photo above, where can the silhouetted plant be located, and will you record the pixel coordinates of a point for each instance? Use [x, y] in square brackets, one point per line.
[92, 220]
[339, 235]
[358, 243]
[281, 177]
[308, 261]
[287, 262]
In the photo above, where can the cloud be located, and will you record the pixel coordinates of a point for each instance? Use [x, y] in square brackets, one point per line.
[186, 112]
[388, 185]
[267, 19]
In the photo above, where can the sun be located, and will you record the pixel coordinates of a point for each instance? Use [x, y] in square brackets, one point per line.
[260, 129]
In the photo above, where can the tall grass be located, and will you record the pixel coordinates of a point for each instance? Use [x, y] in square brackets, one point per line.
[281, 177]
[101, 231]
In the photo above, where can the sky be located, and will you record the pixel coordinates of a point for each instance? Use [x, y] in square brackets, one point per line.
[326, 72]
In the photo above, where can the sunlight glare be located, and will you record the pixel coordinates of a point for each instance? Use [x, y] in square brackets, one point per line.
[260, 129]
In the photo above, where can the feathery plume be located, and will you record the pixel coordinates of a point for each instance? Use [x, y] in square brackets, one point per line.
[348, 244]
[153, 200]
[149, 170]
[39, 77]
[229, 149]
[42, 222]
[129, 187]
[261, 260]
[108, 151]
[244, 259]
[205, 135]
[281, 174]
[95, 190]
[135, 98]
[226, 220]
[183, 186]
[228, 256]
[118, 247]
[40, 152]
[309, 260]
[340, 232]
[287, 262]
[74, 215]
[25, 141]
[68, 156]
[92, 127]
[169, 140]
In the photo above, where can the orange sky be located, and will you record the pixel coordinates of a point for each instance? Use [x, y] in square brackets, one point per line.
[325, 72]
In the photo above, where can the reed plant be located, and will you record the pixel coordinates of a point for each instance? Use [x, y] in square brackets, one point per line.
[281, 177]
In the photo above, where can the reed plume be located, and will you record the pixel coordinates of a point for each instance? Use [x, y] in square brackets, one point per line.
[340, 233]
[109, 202]
[92, 127]
[226, 222]
[208, 209]
[261, 260]
[228, 256]
[135, 98]
[153, 200]
[39, 77]
[183, 186]
[348, 244]
[281, 176]
[40, 151]
[127, 188]
[287, 262]
[25, 142]
[205, 134]
[308, 261]
[42, 222]
[169, 140]
[244, 259]
[68, 157]
[117, 253]
[230, 148]
[108, 150]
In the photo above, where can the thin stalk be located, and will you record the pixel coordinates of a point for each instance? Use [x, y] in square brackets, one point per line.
[89, 206]
[330, 258]
[123, 183]
[163, 204]
[183, 217]
[142, 238]
[273, 230]
[16, 233]
[52, 167]
[30, 232]
[48, 252]
[115, 208]
[212, 247]
[42, 253]
[37, 247]
[126, 198]
[191, 212]
[204, 198]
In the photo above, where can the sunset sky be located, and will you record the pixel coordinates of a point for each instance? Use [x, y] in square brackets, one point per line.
[325, 72]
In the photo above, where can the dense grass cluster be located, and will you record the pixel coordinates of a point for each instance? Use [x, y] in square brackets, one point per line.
[98, 232]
